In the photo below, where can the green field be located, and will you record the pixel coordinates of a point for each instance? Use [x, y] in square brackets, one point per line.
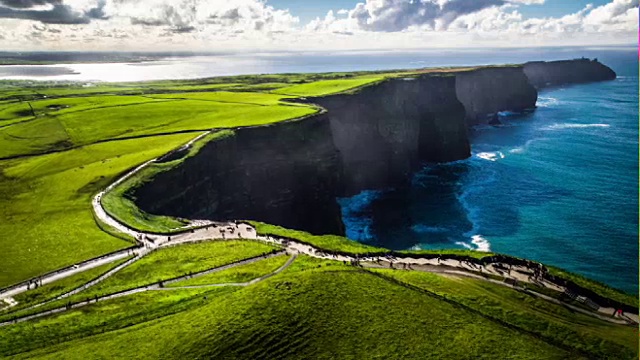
[168, 263]
[50, 291]
[47, 204]
[326, 87]
[324, 309]
[325, 242]
[239, 274]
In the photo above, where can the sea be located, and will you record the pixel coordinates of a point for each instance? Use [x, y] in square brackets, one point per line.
[559, 185]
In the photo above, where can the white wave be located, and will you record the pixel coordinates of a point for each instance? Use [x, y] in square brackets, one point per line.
[547, 101]
[523, 148]
[574, 126]
[481, 243]
[491, 156]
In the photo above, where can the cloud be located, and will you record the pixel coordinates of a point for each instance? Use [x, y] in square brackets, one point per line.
[224, 16]
[26, 4]
[399, 15]
[254, 24]
[616, 16]
[58, 13]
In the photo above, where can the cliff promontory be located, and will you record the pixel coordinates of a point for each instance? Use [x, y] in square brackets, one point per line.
[543, 74]
[290, 174]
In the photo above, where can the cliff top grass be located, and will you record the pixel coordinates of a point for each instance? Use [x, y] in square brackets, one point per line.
[324, 309]
[46, 204]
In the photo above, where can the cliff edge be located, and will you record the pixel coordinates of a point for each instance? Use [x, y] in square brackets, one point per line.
[543, 74]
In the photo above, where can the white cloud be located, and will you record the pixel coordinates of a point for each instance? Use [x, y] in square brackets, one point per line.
[226, 25]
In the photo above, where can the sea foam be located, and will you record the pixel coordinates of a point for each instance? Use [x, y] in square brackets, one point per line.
[491, 156]
[574, 126]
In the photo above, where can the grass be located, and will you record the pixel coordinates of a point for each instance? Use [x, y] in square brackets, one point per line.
[46, 204]
[167, 117]
[50, 291]
[314, 309]
[326, 87]
[249, 98]
[163, 264]
[171, 262]
[113, 117]
[102, 317]
[550, 321]
[238, 274]
[325, 242]
[459, 252]
[344, 245]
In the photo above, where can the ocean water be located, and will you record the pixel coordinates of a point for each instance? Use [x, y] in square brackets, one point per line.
[201, 66]
[559, 185]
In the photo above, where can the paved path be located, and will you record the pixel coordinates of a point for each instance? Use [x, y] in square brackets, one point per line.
[158, 287]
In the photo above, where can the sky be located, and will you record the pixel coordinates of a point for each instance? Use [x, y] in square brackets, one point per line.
[309, 25]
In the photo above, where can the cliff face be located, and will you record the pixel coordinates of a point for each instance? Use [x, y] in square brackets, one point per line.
[385, 132]
[487, 91]
[543, 74]
[287, 174]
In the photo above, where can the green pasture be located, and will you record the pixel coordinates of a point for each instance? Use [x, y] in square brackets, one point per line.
[171, 262]
[237, 274]
[317, 309]
[46, 212]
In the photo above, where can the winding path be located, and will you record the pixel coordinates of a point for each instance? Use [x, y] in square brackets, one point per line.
[203, 230]
[159, 287]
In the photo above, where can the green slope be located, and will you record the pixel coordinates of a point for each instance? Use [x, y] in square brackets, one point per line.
[322, 309]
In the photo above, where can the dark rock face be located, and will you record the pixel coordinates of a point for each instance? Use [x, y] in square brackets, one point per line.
[487, 91]
[385, 132]
[543, 74]
[287, 174]
[291, 173]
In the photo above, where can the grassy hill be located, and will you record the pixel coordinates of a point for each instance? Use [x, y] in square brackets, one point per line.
[61, 144]
[325, 309]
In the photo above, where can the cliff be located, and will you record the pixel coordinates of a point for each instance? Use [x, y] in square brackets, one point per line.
[291, 173]
[543, 74]
[286, 174]
[385, 132]
[487, 91]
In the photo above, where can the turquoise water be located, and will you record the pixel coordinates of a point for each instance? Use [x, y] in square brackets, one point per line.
[559, 185]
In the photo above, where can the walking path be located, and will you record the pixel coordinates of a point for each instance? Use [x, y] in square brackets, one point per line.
[208, 230]
[162, 287]
[245, 231]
